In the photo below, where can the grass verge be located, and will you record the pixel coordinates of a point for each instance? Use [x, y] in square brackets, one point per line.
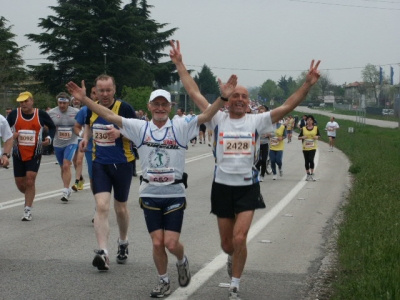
[369, 237]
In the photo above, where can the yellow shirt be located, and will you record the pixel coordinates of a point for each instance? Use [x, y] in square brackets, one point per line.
[309, 143]
[274, 143]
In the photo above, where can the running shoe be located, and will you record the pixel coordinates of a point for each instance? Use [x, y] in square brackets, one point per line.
[162, 289]
[27, 215]
[229, 266]
[101, 261]
[80, 184]
[66, 195]
[75, 187]
[274, 177]
[308, 177]
[280, 172]
[184, 273]
[312, 177]
[122, 255]
[261, 178]
[269, 170]
[233, 293]
[209, 145]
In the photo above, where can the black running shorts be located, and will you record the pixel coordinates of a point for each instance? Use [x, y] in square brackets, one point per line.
[227, 201]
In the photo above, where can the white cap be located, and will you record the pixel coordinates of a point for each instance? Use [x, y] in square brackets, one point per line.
[160, 93]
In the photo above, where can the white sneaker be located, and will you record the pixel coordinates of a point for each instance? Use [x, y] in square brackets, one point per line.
[66, 194]
[27, 215]
[274, 177]
[261, 178]
[280, 172]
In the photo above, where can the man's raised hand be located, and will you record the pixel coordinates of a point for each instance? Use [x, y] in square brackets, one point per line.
[175, 52]
[226, 89]
[313, 74]
[76, 91]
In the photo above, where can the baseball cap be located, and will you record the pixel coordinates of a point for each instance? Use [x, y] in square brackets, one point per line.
[160, 93]
[24, 96]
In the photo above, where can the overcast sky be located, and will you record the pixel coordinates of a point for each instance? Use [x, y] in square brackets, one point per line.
[259, 39]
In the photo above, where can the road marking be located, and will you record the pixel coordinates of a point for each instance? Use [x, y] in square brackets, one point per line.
[220, 260]
[55, 193]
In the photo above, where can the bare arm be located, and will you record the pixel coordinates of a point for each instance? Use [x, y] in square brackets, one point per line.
[104, 112]
[294, 100]
[4, 162]
[190, 85]
[77, 128]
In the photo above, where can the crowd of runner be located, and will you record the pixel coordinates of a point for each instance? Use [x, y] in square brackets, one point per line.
[247, 140]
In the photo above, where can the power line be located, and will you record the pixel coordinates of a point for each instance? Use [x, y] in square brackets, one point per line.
[347, 5]
[272, 70]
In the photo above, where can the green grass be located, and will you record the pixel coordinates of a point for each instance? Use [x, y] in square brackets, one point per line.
[369, 237]
[354, 113]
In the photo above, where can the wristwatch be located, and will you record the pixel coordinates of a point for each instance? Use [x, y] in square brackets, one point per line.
[7, 154]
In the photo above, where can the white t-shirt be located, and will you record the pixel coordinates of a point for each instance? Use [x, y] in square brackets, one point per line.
[162, 153]
[237, 146]
[331, 128]
[5, 131]
[178, 117]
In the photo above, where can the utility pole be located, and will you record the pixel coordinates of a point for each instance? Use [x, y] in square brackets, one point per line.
[105, 62]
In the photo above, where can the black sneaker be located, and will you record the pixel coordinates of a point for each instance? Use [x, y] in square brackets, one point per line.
[161, 290]
[101, 261]
[122, 255]
[183, 273]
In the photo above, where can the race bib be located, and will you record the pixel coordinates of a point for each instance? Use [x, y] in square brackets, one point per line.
[100, 135]
[161, 176]
[274, 141]
[64, 133]
[26, 137]
[308, 143]
[237, 144]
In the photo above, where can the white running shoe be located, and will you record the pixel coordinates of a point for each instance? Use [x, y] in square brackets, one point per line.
[27, 215]
[66, 194]
[274, 177]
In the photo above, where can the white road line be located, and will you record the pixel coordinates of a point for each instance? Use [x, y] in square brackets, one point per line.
[55, 193]
[220, 260]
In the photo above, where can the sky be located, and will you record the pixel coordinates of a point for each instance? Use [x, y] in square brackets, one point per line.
[259, 39]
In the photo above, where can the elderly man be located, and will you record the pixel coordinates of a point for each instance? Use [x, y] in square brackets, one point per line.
[162, 145]
[235, 190]
[27, 124]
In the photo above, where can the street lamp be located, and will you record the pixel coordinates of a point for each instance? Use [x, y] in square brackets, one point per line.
[105, 62]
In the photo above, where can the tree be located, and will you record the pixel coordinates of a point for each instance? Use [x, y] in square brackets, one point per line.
[11, 62]
[324, 83]
[370, 75]
[137, 97]
[315, 91]
[207, 83]
[288, 86]
[86, 38]
[269, 90]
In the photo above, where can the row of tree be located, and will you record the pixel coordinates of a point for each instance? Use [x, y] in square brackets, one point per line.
[85, 38]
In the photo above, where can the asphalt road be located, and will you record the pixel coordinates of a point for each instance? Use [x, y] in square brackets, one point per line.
[50, 257]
